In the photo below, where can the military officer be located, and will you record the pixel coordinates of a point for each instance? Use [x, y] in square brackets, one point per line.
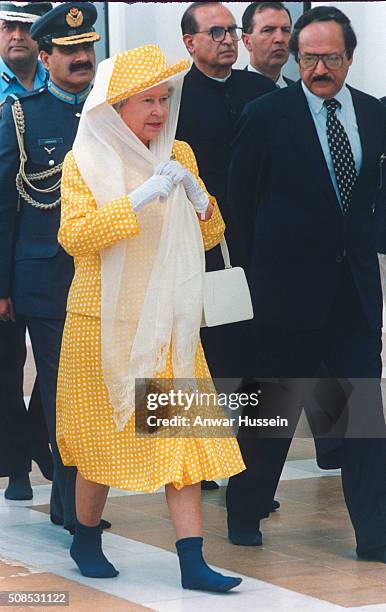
[36, 131]
[20, 70]
[23, 434]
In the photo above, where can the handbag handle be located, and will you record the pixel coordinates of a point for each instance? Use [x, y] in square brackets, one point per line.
[225, 254]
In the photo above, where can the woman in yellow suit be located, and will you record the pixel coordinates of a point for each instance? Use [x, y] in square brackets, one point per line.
[136, 224]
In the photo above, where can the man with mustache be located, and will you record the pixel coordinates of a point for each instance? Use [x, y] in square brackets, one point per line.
[266, 36]
[36, 132]
[23, 434]
[305, 188]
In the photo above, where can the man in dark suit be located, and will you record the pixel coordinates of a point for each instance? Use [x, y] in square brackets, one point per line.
[304, 186]
[266, 35]
[382, 241]
[213, 97]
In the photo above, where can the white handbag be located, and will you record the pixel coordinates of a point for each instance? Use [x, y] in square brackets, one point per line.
[226, 294]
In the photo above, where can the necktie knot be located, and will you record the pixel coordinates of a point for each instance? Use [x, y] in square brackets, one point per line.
[332, 105]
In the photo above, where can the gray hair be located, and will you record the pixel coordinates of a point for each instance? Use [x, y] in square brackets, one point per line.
[118, 105]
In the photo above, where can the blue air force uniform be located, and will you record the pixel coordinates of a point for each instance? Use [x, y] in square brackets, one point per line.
[10, 84]
[23, 434]
[36, 132]
[34, 269]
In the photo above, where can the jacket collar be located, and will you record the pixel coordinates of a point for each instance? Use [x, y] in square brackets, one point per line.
[66, 96]
[201, 77]
[305, 138]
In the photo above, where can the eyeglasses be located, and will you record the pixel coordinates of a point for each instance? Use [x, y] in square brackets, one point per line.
[219, 34]
[330, 60]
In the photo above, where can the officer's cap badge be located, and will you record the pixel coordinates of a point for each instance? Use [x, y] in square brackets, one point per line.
[74, 17]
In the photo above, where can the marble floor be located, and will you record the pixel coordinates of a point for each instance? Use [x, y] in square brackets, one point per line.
[307, 562]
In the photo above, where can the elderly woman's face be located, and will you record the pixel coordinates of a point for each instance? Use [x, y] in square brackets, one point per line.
[146, 113]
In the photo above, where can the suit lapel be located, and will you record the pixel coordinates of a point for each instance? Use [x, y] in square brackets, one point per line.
[306, 142]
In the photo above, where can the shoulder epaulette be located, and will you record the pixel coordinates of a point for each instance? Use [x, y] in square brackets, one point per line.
[25, 95]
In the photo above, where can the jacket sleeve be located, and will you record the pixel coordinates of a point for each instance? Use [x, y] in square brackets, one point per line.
[9, 166]
[213, 229]
[84, 228]
[381, 205]
[248, 171]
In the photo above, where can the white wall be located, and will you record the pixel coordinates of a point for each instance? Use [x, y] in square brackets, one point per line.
[133, 25]
[368, 71]
[154, 22]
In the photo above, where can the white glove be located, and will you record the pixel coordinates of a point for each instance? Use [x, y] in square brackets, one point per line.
[179, 174]
[155, 187]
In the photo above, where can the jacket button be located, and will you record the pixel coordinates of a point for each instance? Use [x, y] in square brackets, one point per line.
[339, 259]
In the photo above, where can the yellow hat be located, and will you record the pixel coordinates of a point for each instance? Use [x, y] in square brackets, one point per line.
[139, 69]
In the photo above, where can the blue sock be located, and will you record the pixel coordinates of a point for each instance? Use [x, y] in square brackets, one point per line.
[196, 574]
[86, 550]
[19, 488]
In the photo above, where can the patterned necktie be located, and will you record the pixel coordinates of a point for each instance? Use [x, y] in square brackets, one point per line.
[341, 153]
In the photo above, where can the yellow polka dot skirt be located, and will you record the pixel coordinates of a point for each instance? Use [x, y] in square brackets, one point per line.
[87, 437]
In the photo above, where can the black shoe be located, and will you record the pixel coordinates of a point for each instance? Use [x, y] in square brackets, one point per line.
[275, 505]
[244, 534]
[19, 488]
[209, 485]
[375, 554]
[45, 463]
[56, 520]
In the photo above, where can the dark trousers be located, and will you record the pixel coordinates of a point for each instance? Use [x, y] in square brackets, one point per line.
[46, 340]
[346, 348]
[23, 434]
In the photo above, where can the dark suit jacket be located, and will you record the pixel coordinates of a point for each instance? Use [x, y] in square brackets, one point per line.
[382, 218]
[208, 114]
[288, 216]
[288, 81]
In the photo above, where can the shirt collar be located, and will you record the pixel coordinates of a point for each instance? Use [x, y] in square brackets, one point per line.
[251, 68]
[279, 83]
[41, 74]
[66, 96]
[220, 80]
[212, 79]
[316, 103]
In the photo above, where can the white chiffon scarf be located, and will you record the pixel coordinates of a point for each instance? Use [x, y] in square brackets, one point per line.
[152, 284]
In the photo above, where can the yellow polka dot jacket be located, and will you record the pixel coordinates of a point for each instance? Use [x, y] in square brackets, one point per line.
[85, 229]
